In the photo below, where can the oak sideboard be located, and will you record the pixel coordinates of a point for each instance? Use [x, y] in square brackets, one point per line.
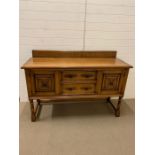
[74, 75]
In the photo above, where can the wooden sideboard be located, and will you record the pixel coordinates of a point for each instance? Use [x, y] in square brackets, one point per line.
[74, 75]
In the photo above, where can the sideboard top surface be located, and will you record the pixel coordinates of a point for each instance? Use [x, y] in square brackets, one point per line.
[75, 63]
[74, 59]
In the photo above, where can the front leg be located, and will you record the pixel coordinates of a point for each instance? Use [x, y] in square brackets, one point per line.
[117, 111]
[33, 116]
[38, 101]
[115, 108]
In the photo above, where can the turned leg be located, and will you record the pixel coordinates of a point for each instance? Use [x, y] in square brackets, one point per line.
[38, 101]
[117, 110]
[33, 117]
[108, 99]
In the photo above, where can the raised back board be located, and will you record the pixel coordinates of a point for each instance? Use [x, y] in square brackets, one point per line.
[73, 54]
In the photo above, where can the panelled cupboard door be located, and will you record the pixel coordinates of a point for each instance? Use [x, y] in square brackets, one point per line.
[43, 82]
[111, 81]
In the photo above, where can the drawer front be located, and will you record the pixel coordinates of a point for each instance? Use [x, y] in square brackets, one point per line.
[78, 75]
[78, 89]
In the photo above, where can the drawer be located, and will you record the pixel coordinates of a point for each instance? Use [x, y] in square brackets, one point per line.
[78, 75]
[78, 89]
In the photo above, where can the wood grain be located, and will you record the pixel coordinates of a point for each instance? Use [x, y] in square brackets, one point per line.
[59, 63]
[73, 54]
[73, 76]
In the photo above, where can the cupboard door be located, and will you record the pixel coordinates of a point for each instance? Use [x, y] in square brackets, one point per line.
[111, 81]
[43, 82]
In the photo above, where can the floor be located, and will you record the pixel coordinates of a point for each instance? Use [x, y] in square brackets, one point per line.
[78, 129]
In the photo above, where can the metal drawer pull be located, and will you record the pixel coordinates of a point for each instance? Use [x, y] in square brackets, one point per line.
[86, 88]
[87, 75]
[70, 88]
[70, 75]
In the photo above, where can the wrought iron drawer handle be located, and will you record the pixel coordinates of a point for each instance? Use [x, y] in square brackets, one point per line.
[70, 89]
[70, 75]
[86, 88]
[87, 75]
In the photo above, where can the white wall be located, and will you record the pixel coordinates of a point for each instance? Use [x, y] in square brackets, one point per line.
[59, 25]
